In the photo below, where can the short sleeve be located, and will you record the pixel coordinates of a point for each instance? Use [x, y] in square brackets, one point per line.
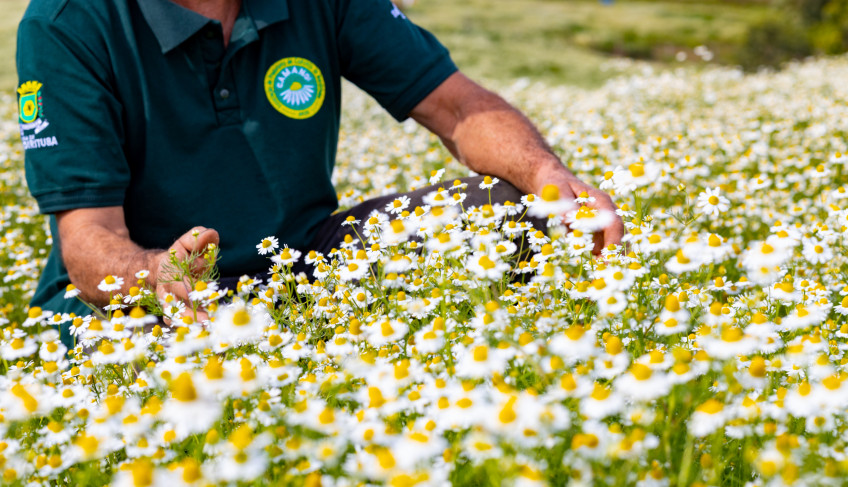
[385, 54]
[70, 120]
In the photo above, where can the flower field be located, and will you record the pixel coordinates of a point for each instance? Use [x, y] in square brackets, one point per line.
[709, 350]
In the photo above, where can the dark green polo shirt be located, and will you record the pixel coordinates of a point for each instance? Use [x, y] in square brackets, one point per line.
[137, 103]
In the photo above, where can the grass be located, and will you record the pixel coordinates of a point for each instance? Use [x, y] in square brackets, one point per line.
[571, 42]
[13, 10]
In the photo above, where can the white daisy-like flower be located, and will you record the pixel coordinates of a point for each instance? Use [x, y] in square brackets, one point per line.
[816, 251]
[36, 315]
[18, 348]
[588, 219]
[602, 402]
[396, 231]
[439, 197]
[287, 257]
[398, 205]
[436, 176]
[267, 245]
[641, 383]
[548, 203]
[766, 255]
[240, 323]
[486, 265]
[707, 418]
[712, 203]
[636, 175]
[488, 182]
[203, 290]
[71, 291]
[111, 283]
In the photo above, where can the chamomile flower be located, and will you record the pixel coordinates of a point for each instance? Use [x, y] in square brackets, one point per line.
[589, 219]
[486, 265]
[71, 291]
[480, 360]
[436, 176]
[18, 348]
[35, 316]
[712, 203]
[549, 203]
[189, 409]
[488, 182]
[707, 418]
[601, 403]
[240, 323]
[286, 257]
[398, 205]
[816, 251]
[111, 283]
[641, 383]
[203, 290]
[636, 175]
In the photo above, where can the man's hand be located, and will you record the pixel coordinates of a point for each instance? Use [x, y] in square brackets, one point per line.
[193, 242]
[95, 243]
[570, 187]
[491, 137]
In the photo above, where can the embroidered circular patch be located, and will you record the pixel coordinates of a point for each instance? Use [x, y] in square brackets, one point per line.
[295, 87]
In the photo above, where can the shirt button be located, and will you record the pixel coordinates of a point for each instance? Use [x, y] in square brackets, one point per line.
[210, 34]
[224, 94]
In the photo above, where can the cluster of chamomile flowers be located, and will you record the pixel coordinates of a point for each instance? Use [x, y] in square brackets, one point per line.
[449, 343]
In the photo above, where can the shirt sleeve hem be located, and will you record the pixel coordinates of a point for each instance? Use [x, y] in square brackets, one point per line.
[80, 198]
[432, 76]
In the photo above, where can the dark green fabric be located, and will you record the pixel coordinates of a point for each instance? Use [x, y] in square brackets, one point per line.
[149, 111]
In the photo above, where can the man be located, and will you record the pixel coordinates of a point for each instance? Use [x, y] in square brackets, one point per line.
[218, 120]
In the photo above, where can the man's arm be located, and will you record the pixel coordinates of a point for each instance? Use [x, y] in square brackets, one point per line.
[95, 243]
[491, 137]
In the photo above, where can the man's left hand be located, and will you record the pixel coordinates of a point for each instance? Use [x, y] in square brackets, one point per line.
[570, 187]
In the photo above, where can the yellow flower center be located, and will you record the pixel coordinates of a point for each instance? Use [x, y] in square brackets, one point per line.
[712, 406]
[183, 388]
[641, 371]
[550, 193]
[486, 263]
[241, 317]
[637, 170]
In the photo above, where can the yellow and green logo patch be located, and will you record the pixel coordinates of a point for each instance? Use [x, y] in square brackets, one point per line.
[295, 87]
[29, 102]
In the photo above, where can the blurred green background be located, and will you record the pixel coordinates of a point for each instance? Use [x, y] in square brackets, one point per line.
[573, 41]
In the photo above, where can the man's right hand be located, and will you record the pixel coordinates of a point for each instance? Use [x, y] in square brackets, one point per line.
[195, 241]
[95, 243]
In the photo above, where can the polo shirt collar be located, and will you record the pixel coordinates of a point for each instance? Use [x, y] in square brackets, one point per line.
[172, 24]
[267, 12]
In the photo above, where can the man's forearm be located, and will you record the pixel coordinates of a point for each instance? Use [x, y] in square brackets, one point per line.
[494, 138]
[490, 136]
[93, 249]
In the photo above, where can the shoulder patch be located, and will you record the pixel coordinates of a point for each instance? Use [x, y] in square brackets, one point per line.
[31, 117]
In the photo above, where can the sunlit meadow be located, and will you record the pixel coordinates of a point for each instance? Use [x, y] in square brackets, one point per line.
[707, 351]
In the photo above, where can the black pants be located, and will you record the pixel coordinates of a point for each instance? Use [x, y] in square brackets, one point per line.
[331, 233]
